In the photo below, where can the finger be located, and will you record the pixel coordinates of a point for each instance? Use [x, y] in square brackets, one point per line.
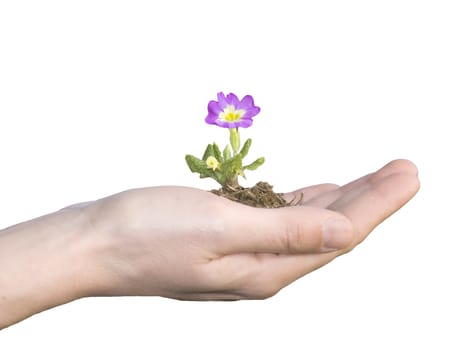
[396, 166]
[307, 193]
[259, 276]
[277, 272]
[371, 203]
[289, 230]
[78, 205]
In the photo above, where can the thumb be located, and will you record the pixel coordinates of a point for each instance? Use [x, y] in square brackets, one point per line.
[290, 230]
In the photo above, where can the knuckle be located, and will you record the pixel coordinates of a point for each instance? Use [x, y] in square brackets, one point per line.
[294, 238]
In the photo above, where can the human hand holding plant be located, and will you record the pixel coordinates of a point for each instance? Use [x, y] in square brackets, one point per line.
[185, 243]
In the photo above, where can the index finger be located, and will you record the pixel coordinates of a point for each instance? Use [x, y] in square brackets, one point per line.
[371, 203]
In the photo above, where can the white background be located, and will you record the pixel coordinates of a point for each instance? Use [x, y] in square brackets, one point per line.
[100, 96]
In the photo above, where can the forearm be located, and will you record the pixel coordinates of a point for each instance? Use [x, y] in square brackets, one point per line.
[44, 262]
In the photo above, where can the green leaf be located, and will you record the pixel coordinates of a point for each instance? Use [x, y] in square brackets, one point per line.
[234, 162]
[231, 167]
[245, 148]
[219, 177]
[209, 152]
[255, 165]
[227, 153]
[196, 165]
[217, 152]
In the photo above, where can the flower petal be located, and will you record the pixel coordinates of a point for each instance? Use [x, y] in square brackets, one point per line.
[224, 124]
[248, 105]
[244, 123]
[232, 99]
[214, 108]
[222, 100]
[251, 112]
[213, 112]
[246, 102]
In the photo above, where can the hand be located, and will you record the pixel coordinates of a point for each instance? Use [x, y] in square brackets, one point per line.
[186, 243]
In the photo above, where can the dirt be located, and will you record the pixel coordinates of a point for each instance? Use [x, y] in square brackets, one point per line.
[260, 195]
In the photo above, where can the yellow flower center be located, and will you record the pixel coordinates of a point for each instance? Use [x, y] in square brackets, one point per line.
[230, 114]
[212, 163]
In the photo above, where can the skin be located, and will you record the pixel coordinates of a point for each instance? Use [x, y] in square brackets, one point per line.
[184, 243]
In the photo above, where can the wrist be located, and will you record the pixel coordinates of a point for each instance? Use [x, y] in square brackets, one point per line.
[45, 262]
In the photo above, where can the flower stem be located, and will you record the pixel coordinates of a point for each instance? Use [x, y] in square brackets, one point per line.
[232, 182]
[234, 140]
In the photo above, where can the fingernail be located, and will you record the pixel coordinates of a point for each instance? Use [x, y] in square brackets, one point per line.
[337, 234]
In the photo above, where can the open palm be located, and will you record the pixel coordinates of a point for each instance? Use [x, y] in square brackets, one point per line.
[186, 243]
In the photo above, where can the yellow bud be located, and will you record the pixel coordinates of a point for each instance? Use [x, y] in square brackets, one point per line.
[212, 163]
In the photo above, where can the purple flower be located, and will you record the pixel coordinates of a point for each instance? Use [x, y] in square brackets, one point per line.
[229, 112]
